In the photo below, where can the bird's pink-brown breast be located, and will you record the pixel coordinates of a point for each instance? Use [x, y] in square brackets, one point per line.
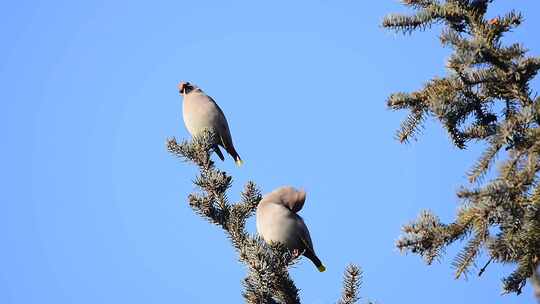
[276, 225]
[199, 113]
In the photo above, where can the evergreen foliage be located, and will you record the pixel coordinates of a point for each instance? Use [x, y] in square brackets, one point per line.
[268, 279]
[351, 284]
[486, 98]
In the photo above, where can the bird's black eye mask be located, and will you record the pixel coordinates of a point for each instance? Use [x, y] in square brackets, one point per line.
[187, 88]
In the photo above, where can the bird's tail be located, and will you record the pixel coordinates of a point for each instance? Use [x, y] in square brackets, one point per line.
[310, 255]
[232, 151]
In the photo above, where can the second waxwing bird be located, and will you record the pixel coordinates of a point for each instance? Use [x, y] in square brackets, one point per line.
[277, 221]
[201, 113]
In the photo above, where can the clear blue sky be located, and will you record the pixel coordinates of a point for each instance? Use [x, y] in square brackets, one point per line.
[93, 208]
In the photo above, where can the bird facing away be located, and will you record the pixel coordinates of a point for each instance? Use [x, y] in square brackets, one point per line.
[201, 113]
[277, 221]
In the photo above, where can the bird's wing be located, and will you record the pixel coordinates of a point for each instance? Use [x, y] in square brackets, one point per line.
[303, 234]
[225, 133]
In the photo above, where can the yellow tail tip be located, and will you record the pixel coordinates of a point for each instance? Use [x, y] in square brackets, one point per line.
[321, 268]
[239, 162]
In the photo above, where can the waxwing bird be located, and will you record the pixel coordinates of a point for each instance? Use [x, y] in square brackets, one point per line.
[201, 113]
[277, 221]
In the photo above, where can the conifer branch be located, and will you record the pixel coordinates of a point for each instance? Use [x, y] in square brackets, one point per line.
[352, 280]
[500, 216]
[268, 280]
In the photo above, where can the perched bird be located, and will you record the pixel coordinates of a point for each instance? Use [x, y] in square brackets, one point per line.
[277, 221]
[201, 113]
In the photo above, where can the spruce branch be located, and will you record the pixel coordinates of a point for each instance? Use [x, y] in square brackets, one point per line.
[268, 280]
[499, 216]
[352, 280]
[467, 256]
